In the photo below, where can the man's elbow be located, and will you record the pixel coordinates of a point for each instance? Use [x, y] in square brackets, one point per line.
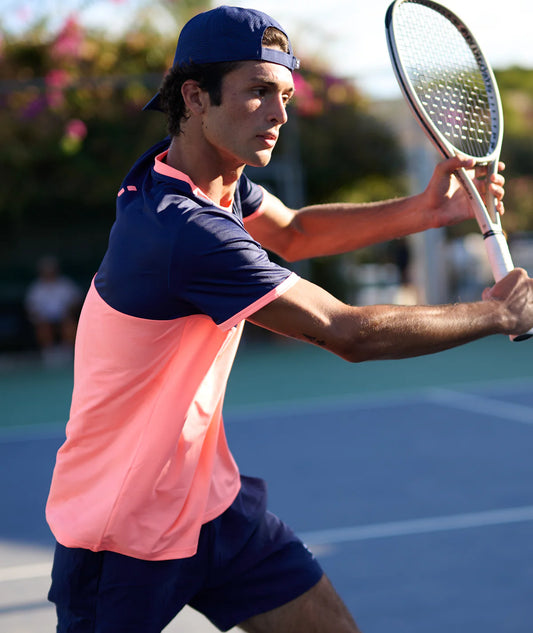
[355, 353]
[293, 245]
[353, 344]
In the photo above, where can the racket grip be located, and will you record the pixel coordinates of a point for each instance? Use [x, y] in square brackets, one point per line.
[501, 263]
[500, 259]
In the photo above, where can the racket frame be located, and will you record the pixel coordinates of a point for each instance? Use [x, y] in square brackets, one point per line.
[487, 215]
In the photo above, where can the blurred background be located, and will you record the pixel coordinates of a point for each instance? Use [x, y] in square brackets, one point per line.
[76, 73]
[440, 436]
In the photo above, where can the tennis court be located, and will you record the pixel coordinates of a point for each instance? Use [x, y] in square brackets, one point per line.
[410, 480]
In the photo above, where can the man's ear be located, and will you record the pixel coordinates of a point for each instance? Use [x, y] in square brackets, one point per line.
[196, 99]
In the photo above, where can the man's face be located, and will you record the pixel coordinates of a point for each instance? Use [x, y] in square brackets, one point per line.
[243, 130]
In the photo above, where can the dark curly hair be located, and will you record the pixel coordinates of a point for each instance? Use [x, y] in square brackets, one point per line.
[209, 78]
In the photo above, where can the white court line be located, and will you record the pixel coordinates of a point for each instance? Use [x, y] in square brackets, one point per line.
[418, 526]
[25, 572]
[334, 536]
[243, 413]
[330, 404]
[32, 432]
[479, 404]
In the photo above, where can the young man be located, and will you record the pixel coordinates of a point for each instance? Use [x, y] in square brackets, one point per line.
[146, 503]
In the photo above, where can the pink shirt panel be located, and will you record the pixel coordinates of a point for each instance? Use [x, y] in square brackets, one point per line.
[146, 462]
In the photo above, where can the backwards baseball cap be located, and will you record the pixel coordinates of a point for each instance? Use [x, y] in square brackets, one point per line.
[227, 34]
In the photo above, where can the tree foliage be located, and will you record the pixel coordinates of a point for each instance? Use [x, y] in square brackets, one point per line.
[71, 123]
[342, 143]
[516, 87]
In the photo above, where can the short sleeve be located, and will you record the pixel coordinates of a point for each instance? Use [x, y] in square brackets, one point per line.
[217, 267]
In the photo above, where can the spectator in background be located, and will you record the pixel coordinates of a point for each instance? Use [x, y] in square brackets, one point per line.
[52, 303]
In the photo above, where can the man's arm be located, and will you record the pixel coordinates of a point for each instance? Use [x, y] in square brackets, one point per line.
[309, 313]
[330, 229]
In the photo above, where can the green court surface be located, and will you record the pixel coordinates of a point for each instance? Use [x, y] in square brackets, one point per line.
[281, 371]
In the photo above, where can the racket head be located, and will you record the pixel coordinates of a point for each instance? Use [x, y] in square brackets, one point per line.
[446, 79]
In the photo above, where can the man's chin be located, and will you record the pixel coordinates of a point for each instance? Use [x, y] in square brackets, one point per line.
[260, 160]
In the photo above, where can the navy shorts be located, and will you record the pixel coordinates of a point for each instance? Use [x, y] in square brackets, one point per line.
[248, 562]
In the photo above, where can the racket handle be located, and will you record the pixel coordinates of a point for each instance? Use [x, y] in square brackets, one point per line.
[500, 259]
[501, 263]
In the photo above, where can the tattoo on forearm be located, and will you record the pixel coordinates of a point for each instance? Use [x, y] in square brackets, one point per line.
[313, 339]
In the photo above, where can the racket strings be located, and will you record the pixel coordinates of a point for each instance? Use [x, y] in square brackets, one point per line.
[446, 78]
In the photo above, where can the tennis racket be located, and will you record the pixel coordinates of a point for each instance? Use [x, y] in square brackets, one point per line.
[450, 87]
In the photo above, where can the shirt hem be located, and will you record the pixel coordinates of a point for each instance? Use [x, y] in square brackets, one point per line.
[174, 554]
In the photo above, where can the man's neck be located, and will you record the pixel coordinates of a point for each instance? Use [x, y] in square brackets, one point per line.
[217, 181]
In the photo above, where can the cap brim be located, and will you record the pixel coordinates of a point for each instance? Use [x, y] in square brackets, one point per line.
[154, 103]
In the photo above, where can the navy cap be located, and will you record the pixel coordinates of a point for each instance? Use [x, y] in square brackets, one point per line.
[227, 34]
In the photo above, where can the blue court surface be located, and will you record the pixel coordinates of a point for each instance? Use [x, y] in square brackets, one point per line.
[412, 481]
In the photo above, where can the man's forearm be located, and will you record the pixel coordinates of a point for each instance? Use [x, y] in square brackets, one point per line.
[331, 229]
[394, 332]
[309, 313]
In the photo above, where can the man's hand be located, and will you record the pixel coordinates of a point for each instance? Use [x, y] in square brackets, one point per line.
[446, 198]
[515, 292]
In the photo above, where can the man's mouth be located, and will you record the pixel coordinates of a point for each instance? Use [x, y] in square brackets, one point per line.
[269, 138]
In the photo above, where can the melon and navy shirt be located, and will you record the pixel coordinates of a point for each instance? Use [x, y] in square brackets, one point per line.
[145, 462]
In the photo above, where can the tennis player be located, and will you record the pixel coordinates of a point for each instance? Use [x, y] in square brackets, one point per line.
[147, 504]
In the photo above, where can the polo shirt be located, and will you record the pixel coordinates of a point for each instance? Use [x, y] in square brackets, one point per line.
[145, 462]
